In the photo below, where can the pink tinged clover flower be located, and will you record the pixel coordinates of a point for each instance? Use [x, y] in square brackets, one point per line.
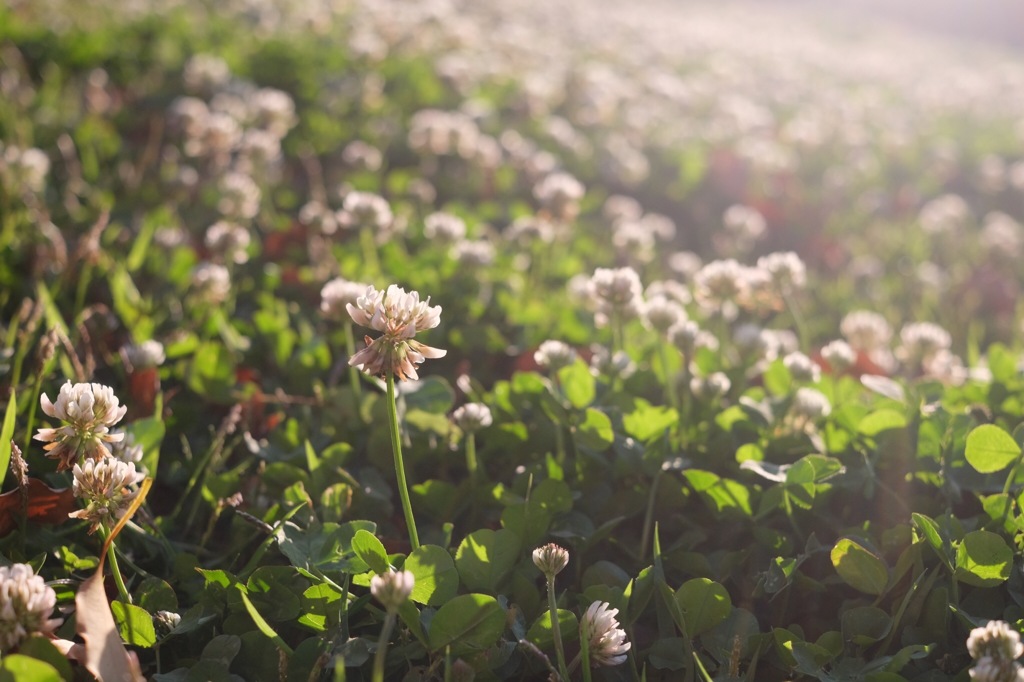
[26, 604]
[104, 488]
[88, 411]
[608, 645]
[399, 316]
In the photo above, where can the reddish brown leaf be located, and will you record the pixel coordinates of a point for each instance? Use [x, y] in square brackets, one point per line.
[42, 504]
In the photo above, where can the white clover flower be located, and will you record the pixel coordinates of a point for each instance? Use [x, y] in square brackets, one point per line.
[337, 294]
[607, 641]
[229, 241]
[362, 155]
[205, 72]
[719, 286]
[686, 263]
[787, 272]
[472, 417]
[527, 230]
[620, 207]
[26, 603]
[920, 342]
[391, 589]
[865, 330]
[104, 488]
[801, 367]
[444, 227]
[399, 316]
[810, 404]
[617, 293]
[318, 216]
[239, 196]
[550, 559]
[661, 314]
[473, 253]
[553, 355]
[712, 386]
[126, 449]
[744, 222]
[839, 355]
[88, 411]
[560, 194]
[946, 213]
[996, 639]
[992, 669]
[365, 210]
[211, 282]
[617, 365]
[147, 354]
[273, 110]
[25, 169]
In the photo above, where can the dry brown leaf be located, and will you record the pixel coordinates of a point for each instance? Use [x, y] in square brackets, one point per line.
[41, 504]
[105, 655]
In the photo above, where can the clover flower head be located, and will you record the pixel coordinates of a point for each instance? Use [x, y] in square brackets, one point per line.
[788, 273]
[239, 196]
[365, 210]
[444, 227]
[712, 386]
[616, 292]
[719, 285]
[391, 589]
[744, 222]
[472, 417]
[553, 355]
[550, 559]
[810, 404]
[801, 367]
[473, 253]
[229, 241]
[994, 669]
[839, 355]
[685, 263]
[26, 603]
[211, 282]
[608, 645]
[337, 295]
[560, 194]
[921, 341]
[996, 639]
[399, 316]
[612, 365]
[126, 449]
[362, 155]
[88, 411]
[865, 330]
[945, 213]
[104, 487]
[143, 355]
[662, 313]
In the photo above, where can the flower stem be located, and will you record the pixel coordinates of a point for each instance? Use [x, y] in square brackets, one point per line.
[396, 448]
[116, 569]
[382, 647]
[353, 371]
[556, 630]
[471, 458]
[649, 514]
[670, 384]
[369, 252]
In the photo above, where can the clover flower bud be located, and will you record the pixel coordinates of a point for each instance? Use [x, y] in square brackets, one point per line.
[472, 417]
[26, 603]
[391, 589]
[550, 559]
[865, 330]
[88, 411]
[165, 621]
[444, 227]
[608, 645]
[810, 404]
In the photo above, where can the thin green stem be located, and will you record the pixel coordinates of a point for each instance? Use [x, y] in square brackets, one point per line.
[471, 458]
[670, 384]
[353, 372]
[585, 649]
[556, 630]
[798, 321]
[369, 252]
[382, 647]
[396, 448]
[115, 568]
